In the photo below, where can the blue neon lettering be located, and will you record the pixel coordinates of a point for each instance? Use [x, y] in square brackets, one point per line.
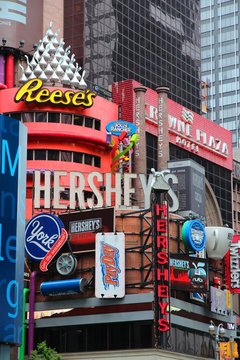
[5, 150]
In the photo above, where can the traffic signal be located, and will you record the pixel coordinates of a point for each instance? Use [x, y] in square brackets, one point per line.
[224, 350]
[235, 349]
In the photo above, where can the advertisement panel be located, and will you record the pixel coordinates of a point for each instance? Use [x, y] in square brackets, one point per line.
[82, 226]
[232, 271]
[188, 274]
[190, 187]
[21, 20]
[110, 265]
[13, 154]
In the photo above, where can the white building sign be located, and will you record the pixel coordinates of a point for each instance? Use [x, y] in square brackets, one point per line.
[110, 265]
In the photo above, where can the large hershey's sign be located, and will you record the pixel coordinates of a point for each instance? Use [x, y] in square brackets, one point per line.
[118, 190]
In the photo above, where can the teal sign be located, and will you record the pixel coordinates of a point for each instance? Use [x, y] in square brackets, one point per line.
[13, 155]
[194, 235]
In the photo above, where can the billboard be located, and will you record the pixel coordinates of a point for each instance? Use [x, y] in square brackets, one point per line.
[188, 273]
[21, 20]
[190, 187]
[82, 226]
[232, 269]
[13, 154]
[110, 265]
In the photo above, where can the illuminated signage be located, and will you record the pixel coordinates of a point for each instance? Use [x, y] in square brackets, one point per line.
[13, 154]
[194, 235]
[188, 274]
[161, 259]
[33, 91]
[42, 232]
[118, 126]
[118, 189]
[82, 226]
[110, 265]
[190, 186]
[188, 133]
[233, 265]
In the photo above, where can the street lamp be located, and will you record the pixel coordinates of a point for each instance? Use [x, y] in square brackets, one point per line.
[219, 334]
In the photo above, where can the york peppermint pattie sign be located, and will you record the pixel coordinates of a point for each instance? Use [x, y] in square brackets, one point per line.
[13, 152]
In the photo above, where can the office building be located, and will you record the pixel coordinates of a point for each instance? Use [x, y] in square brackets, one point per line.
[156, 43]
[220, 63]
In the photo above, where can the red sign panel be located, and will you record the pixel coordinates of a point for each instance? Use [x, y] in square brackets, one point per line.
[161, 266]
[188, 274]
[232, 259]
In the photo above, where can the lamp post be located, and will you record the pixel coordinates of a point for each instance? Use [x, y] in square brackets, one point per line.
[218, 334]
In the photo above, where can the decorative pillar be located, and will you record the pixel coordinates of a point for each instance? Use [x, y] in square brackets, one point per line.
[139, 163]
[10, 71]
[163, 138]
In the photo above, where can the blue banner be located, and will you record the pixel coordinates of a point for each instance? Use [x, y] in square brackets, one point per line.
[13, 157]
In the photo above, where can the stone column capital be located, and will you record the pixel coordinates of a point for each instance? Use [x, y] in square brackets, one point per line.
[162, 89]
[140, 89]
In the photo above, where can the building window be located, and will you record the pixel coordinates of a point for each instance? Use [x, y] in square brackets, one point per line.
[53, 155]
[68, 156]
[54, 117]
[40, 154]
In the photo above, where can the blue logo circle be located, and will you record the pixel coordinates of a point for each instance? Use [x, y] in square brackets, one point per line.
[42, 231]
[194, 235]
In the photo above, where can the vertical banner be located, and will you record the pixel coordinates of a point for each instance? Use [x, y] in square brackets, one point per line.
[13, 154]
[232, 269]
[110, 265]
[161, 269]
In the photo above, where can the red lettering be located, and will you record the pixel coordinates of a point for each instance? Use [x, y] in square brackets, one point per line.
[163, 307]
[161, 241]
[163, 325]
[162, 291]
[162, 209]
[163, 274]
[162, 258]
[162, 225]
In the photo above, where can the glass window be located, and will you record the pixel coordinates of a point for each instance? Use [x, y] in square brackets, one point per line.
[89, 122]
[28, 117]
[40, 154]
[66, 118]
[15, 115]
[97, 161]
[53, 155]
[30, 155]
[40, 117]
[78, 120]
[97, 124]
[88, 159]
[78, 157]
[66, 156]
[54, 117]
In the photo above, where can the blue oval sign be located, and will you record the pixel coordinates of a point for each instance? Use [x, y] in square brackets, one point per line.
[118, 126]
[41, 233]
[194, 235]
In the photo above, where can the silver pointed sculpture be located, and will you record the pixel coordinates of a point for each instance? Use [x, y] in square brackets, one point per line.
[53, 64]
